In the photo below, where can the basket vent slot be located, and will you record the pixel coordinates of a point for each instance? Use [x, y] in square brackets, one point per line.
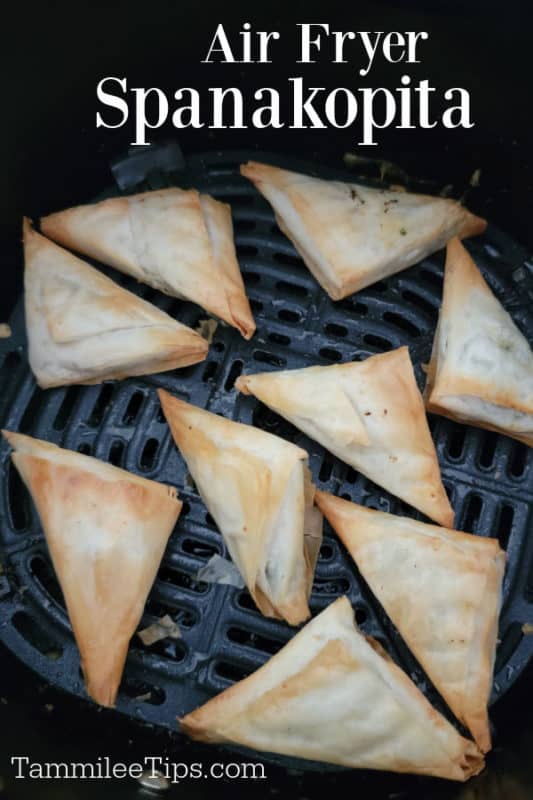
[19, 500]
[246, 250]
[354, 306]
[241, 225]
[36, 636]
[149, 454]
[433, 278]
[255, 640]
[518, 460]
[361, 615]
[101, 405]
[271, 422]
[505, 524]
[326, 552]
[377, 341]
[380, 287]
[455, 441]
[142, 692]
[488, 450]
[510, 641]
[326, 468]
[31, 413]
[173, 649]
[420, 302]
[334, 329]
[279, 338]
[184, 617]
[330, 354]
[351, 475]
[245, 600]
[472, 511]
[265, 357]
[210, 371]
[44, 574]
[133, 408]
[85, 448]
[289, 260]
[231, 672]
[291, 289]
[233, 374]
[66, 408]
[116, 453]
[401, 322]
[182, 580]
[251, 278]
[289, 315]
[11, 360]
[239, 199]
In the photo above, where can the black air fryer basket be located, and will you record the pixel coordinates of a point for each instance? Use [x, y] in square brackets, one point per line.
[489, 477]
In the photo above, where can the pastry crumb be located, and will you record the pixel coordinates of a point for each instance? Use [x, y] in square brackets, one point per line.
[162, 629]
[207, 328]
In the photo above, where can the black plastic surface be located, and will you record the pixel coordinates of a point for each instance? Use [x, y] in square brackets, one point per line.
[489, 477]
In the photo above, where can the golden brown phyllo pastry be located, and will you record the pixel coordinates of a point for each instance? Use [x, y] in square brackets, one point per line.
[350, 235]
[258, 489]
[481, 369]
[330, 695]
[371, 415]
[442, 590]
[106, 531]
[84, 328]
[176, 240]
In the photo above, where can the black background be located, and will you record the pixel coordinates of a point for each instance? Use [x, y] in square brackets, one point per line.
[52, 155]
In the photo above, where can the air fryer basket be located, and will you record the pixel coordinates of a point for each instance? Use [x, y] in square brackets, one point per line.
[489, 477]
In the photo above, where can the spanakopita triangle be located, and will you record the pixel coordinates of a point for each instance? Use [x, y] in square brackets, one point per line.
[106, 531]
[442, 590]
[330, 696]
[178, 241]
[481, 368]
[350, 235]
[84, 328]
[370, 414]
[258, 489]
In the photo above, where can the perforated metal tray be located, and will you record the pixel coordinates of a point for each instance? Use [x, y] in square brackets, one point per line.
[489, 477]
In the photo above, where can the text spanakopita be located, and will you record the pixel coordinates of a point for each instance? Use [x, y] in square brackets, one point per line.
[176, 240]
[258, 489]
[371, 415]
[106, 531]
[84, 328]
[350, 235]
[481, 368]
[442, 590]
[330, 695]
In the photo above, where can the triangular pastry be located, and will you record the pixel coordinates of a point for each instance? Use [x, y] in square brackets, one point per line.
[368, 413]
[329, 695]
[350, 235]
[84, 328]
[481, 369]
[258, 490]
[442, 590]
[106, 531]
[176, 240]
